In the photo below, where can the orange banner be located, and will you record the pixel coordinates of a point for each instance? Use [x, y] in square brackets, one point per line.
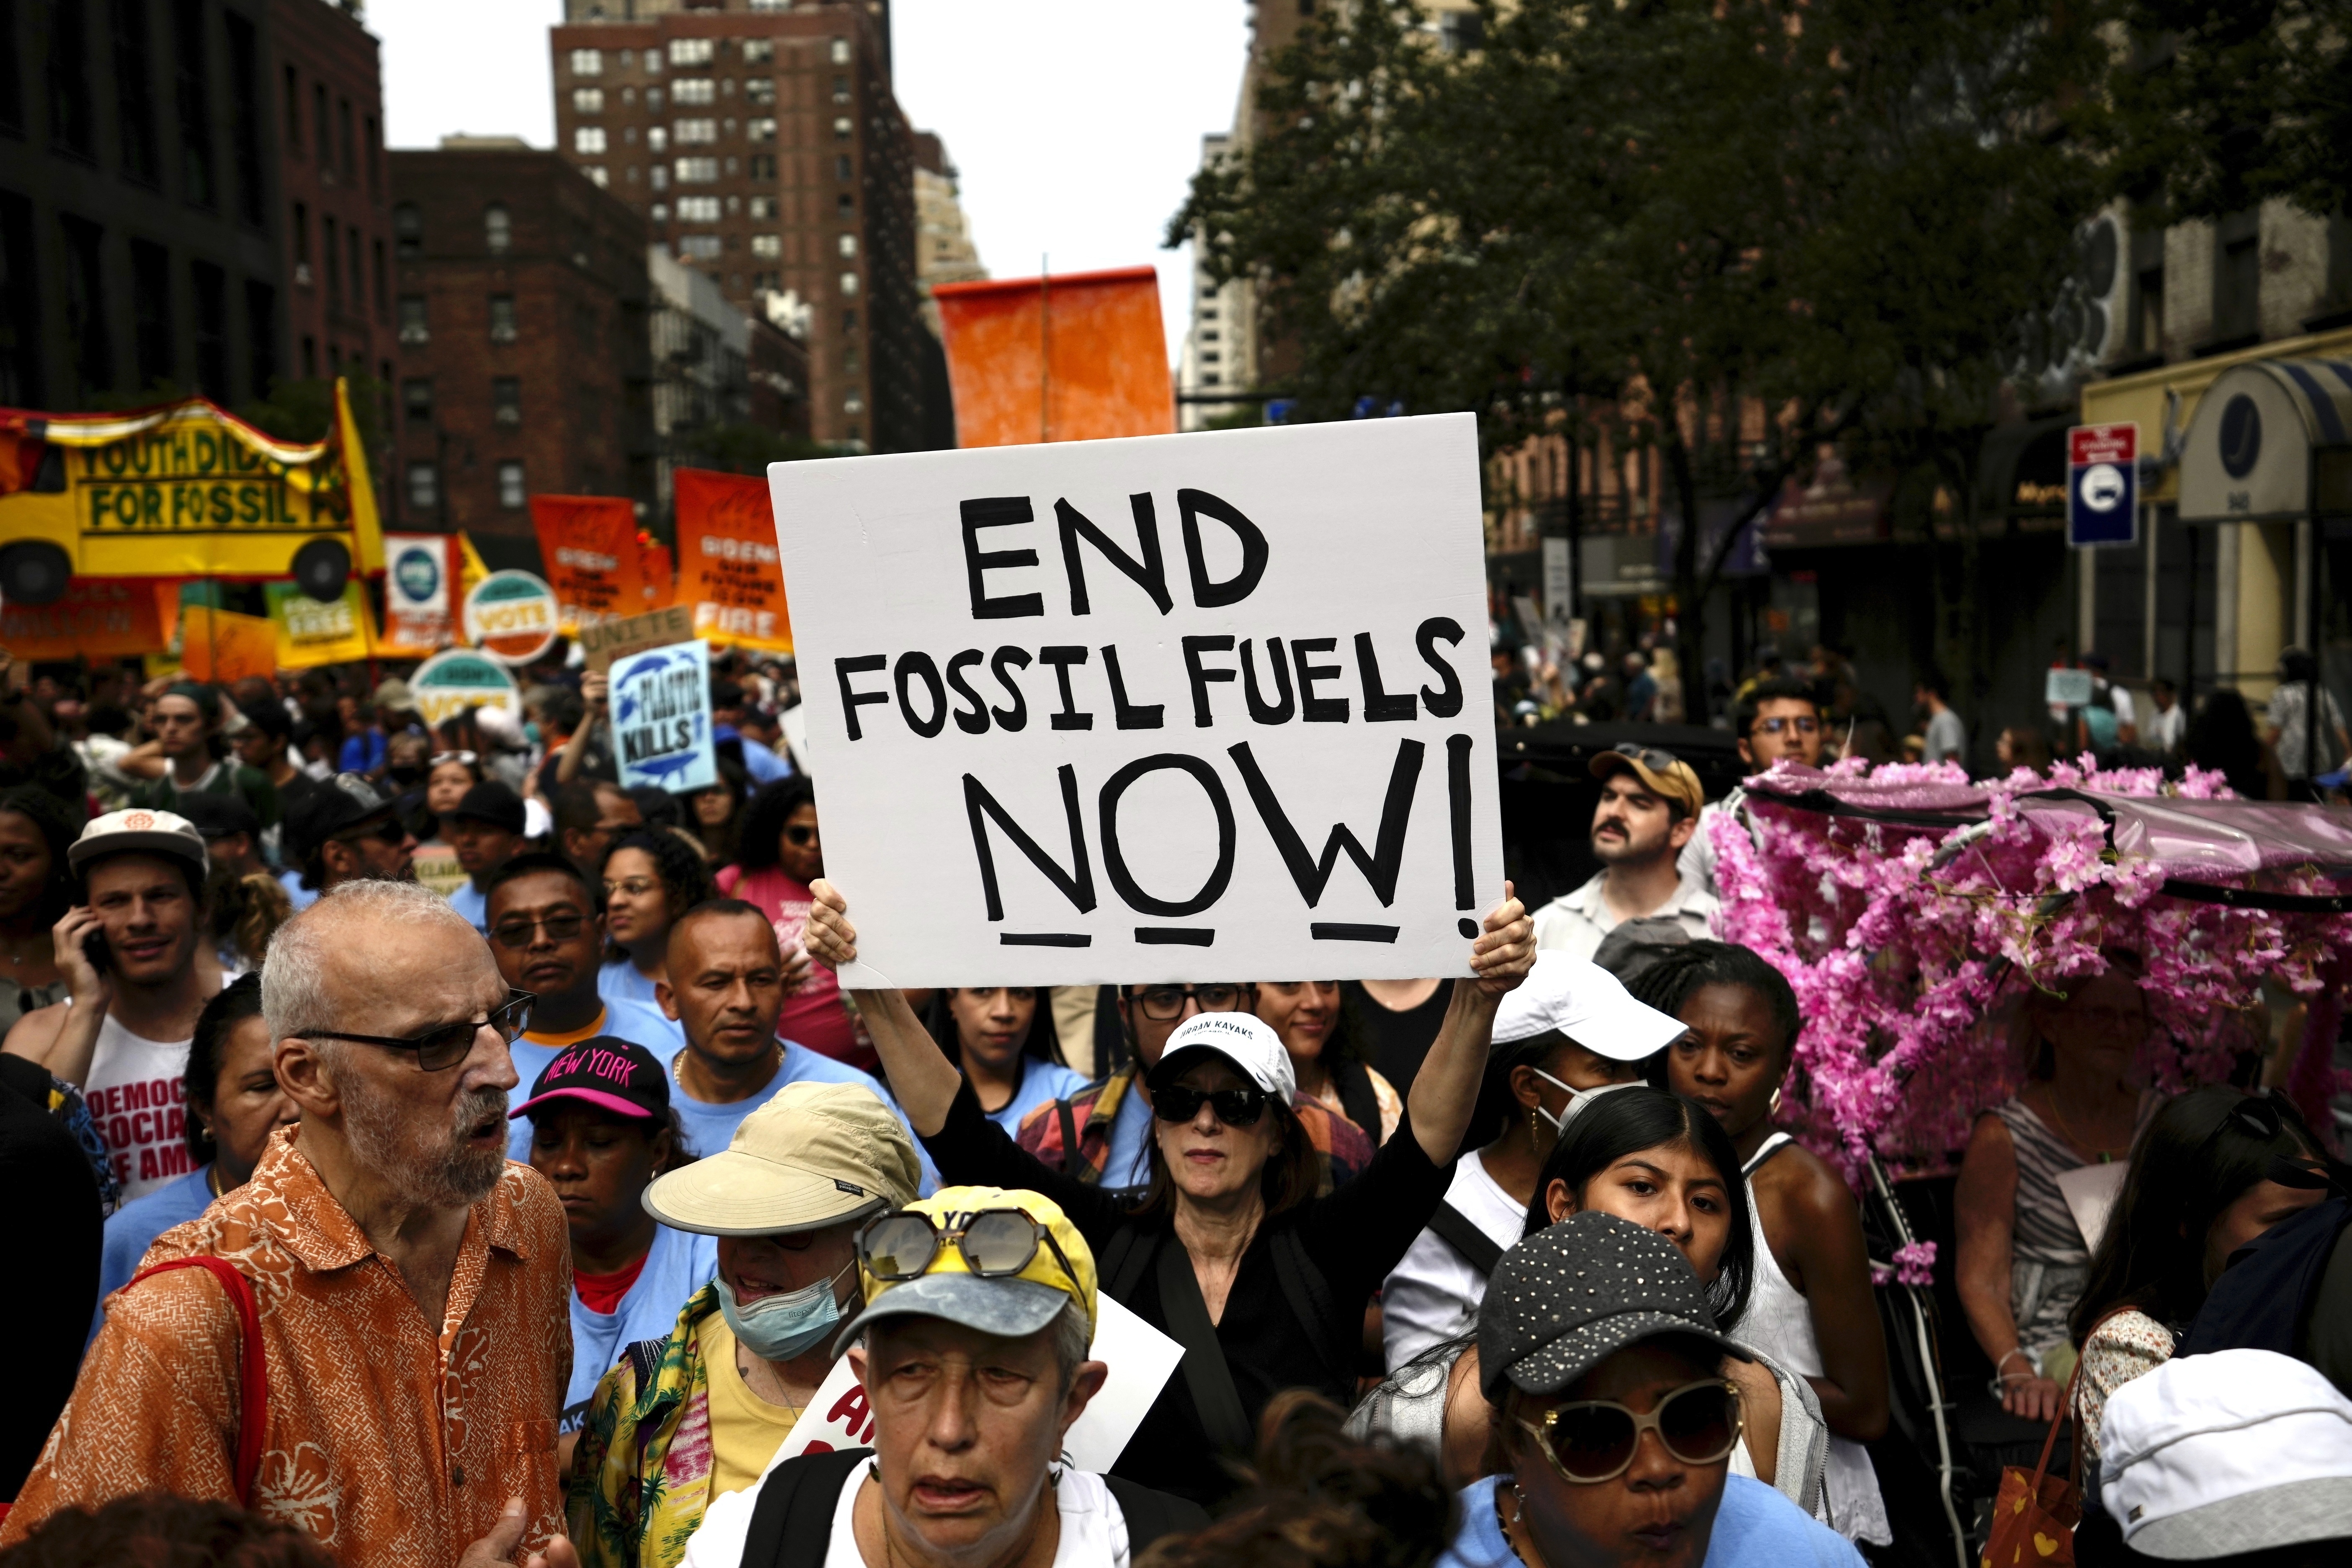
[100, 617]
[660, 577]
[589, 547]
[1057, 359]
[728, 568]
[222, 646]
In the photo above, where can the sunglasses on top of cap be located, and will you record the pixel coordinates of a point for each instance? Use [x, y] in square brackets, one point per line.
[1594, 1440]
[1656, 761]
[1233, 1106]
[996, 1244]
[446, 1045]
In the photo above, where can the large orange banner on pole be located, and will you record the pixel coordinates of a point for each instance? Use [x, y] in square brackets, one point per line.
[1075, 358]
[99, 617]
[589, 546]
[728, 567]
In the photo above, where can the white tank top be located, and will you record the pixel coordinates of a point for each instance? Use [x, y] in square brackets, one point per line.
[1780, 1322]
[137, 1093]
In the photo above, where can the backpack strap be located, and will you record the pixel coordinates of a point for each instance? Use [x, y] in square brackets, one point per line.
[1455, 1230]
[645, 1359]
[1309, 1295]
[1150, 1514]
[1071, 1164]
[791, 1521]
[1358, 1098]
[253, 1365]
[1207, 1375]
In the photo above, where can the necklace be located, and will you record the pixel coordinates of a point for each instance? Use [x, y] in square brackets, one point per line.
[2101, 1156]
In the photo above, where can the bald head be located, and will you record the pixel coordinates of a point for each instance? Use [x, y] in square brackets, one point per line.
[369, 954]
[726, 983]
[728, 921]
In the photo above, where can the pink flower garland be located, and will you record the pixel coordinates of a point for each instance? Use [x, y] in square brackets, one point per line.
[1905, 945]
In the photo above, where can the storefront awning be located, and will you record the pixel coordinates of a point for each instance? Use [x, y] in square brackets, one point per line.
[2271, 442]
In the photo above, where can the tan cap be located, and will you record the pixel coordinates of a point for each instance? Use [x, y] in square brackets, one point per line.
[1661, 773]
[816, 1155]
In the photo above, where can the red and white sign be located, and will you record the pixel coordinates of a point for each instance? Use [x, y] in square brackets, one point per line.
[2088, 444]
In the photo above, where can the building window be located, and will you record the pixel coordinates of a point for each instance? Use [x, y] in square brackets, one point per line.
[497, 228]
[763, 207]
[134, 101]
[699, 246]
[382, 287]
[759, 51]
[330, 248]
[695, 133]
[653, 100]
[768, 246]
[854, 403]
[417, 399]
[374, 160]
[693, 89]
[346, 142]
[322, 143]
[660, 213]
[506, 400]
[424, 488]
[2237, 276]
[411, 319]
[2148, 322]
[196, 180]
[309, 357]
[849, 321]
[653, 62]
[760, 130]
[841, 89]
[842, 169]
[759, 90]
[849, 283]
[698, 209]
[407, 231]
[690, 51]
[657, 139]
[840, 51]
[589, 139]
[150, 312]
[849, 365]
[301, 245]
[511, 491]
[761, 165]
[587, 62]
[845, 203]
[502, 318]
[587, 101]
[260, 337]
[848, 244]
[293, 113]
[595, 171]
[843, 127]
[359, 284]
[698, 171]
[628, 135]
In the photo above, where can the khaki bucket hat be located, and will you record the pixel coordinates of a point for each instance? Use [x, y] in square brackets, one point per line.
[816, 1155]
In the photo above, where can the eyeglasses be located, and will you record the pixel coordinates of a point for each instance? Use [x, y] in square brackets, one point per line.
[1235, 1107]
[468, 758]
[440, 1049]
[1164, 1004]
[996, 1244]
[800, 836]
[1594, 1440]
[1776, 725]
[514, 935]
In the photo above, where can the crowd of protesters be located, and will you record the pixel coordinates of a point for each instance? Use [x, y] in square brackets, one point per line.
[442, 1155]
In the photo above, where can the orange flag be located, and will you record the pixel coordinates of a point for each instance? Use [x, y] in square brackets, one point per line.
[1073, 358]
[728, 568]
[103, 617]
[589, 546]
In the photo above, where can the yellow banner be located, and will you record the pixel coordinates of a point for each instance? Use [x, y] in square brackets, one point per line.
[310, 633]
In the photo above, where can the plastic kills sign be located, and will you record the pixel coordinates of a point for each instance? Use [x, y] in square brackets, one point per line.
[1152, 708]
[661, 719]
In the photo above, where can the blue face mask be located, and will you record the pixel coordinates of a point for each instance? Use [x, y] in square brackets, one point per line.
[787, 1324]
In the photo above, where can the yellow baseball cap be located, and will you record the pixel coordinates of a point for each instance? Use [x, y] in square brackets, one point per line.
[919, 1262]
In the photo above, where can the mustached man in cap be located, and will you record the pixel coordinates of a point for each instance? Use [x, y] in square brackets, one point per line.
[1647, 815]
[972, 1355]
[687, 1419]
[1615, 1422]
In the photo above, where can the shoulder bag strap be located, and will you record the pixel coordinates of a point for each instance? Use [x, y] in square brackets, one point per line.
[253, 1367]
[1150, 1515]
[1206, 1373]
[1071, 1164]
[1454, 1228]
[1311, 1301]
[791, 1521]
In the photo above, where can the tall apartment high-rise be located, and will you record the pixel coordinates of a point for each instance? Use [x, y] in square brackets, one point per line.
[765, 148]
[944, 252]
[190, 192]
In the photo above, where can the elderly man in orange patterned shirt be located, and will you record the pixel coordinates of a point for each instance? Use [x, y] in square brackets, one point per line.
[411, 1284]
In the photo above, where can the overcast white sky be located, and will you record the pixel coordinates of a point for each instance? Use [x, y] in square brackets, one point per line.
[1075, 124]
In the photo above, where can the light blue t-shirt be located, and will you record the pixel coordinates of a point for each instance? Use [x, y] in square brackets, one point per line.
[1040, 1081]
[1127, 1164]
[710, 1128]
[630, 1021]
[474, 904]
[300, 896]
[621, 981]
[680, 1263]
[1755, 1527]
[132, 1229]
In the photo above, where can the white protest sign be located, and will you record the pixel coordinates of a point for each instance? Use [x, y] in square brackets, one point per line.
[661, 719]
[1139, 1356]
[1171, 708]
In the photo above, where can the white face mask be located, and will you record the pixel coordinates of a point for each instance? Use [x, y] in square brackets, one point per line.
[1578, 1098]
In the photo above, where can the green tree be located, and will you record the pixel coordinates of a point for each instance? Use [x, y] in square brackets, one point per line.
[1622, 216]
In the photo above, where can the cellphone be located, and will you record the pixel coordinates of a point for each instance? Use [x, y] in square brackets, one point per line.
[94, 948]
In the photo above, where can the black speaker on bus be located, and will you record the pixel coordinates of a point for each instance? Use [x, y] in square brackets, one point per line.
[321, 568]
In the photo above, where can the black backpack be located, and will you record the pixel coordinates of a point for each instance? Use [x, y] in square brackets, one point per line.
[792, 1521]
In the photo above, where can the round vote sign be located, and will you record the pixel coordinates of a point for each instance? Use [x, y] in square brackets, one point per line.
[448, 683]
[512, 617]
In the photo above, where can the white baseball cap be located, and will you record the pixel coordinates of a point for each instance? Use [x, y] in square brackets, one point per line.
[2241, 1451]
[1588, 1005]
[1241, 1038]
[141, 831]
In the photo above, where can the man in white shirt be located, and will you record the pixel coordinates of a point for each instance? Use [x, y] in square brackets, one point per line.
[1648, 812]
[2168, 726]
[1947, 737]
[972, 1383]
[1777, 718]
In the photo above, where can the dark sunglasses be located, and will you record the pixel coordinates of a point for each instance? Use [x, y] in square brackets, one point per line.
[447, 1046]
[1161, 1004]
[801, 836]
[514, 935]
[996, 1244]
[1656, 761]
[1594, 1440]
[1235, 1107]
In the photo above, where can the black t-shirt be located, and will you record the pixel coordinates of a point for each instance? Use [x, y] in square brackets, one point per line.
[1395, 1043]
[1354, 1236]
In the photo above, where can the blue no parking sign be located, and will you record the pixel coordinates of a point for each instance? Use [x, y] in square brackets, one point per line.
[2103, 484]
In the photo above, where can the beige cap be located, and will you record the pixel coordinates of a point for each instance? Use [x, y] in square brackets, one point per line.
[816, 1155]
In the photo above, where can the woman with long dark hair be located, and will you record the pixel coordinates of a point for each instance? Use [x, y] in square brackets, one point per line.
[651, 876]
[715, 813]
[1325, 1039]
[1003, 1037]
[36, 889]
[778, 856]
[1230, 1251]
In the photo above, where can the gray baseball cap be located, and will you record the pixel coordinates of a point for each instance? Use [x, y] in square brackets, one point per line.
[1566, 1298]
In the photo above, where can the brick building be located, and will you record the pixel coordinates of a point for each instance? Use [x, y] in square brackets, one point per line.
[154, 156]
[766, 149]
[520, 298]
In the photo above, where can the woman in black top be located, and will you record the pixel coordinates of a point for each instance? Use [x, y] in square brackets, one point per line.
[1229, 1243]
